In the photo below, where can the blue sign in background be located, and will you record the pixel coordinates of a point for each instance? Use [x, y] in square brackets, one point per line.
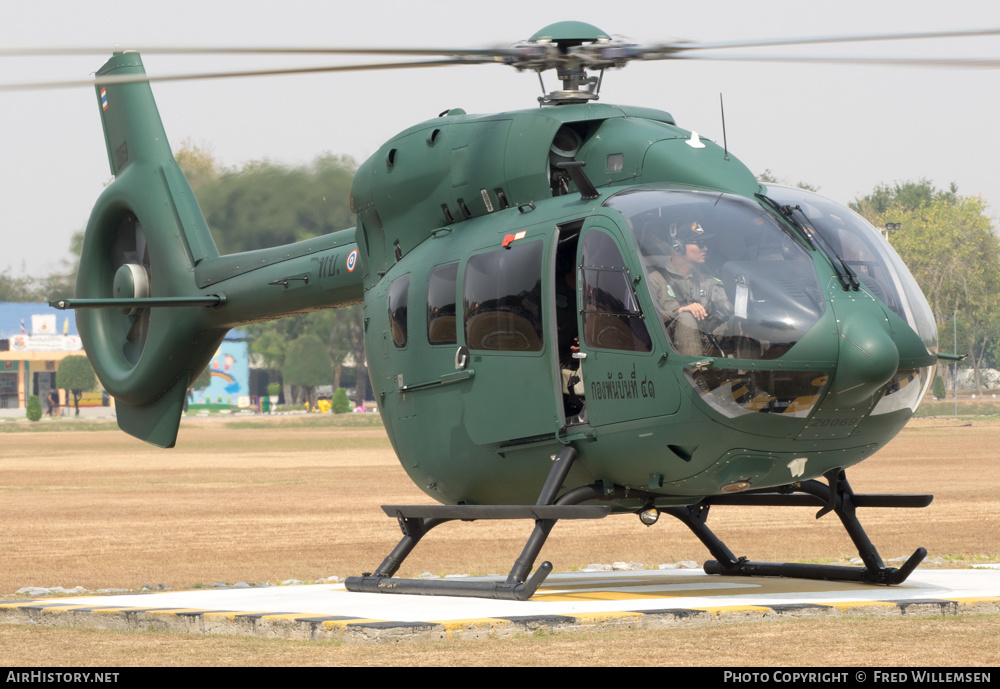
[230, 368]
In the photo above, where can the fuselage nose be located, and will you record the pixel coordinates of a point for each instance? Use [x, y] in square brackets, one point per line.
[868, 358]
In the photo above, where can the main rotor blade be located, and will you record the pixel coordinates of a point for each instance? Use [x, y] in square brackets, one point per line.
[258, 50]
[670, 49]
[494, 52]
[957, 62]
[522, 56]
[137, 78]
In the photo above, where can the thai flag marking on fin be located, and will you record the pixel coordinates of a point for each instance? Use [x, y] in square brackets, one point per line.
[104, 99]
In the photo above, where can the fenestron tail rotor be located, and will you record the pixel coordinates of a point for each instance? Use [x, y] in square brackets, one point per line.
[132, 280]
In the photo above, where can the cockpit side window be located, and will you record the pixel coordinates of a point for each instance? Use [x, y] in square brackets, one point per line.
[612, 318]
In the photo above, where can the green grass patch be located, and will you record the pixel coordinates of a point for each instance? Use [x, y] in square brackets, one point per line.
[60, 426]
[968, 560]
[825, 561]
[966, 408]
[319, 446]
[63, 425]
[312, 421]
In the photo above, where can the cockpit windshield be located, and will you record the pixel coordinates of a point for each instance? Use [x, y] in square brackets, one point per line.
[868, 254]
[727, 279]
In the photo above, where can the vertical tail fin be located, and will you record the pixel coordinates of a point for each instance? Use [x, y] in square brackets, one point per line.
[132, 127]
[134, 136]
[145, 236]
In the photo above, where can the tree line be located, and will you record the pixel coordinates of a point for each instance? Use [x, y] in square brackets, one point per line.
[949, 243]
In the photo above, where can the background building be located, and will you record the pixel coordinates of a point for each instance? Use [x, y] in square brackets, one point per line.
[34, 338]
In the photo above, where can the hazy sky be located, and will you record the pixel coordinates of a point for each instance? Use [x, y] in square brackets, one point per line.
[842, 128]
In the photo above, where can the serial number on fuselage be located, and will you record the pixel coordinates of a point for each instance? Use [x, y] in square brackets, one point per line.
[853, 421]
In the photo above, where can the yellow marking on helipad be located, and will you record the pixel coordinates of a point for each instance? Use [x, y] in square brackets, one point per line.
[847, 605]
[677, 586]
[473, 622]
[133, 608]
[569, 596]
[20, 604]
[717, 609]
[453, 628]
[298, 616]
[231, 615]
[768, 585]
[61, 608]
[601, 577]
[344, 623]
[673, 588]
[604, 616]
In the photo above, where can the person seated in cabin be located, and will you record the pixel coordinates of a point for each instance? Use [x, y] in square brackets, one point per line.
[568, 338]
[694, 306]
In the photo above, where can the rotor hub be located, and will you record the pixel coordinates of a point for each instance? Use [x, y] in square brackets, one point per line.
[131, 282]
[571, 48]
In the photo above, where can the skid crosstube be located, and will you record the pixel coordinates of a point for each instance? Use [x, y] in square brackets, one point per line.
[835, 496]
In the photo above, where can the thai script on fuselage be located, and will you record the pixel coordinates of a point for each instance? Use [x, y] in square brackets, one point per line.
[619, 386]
[329, 265]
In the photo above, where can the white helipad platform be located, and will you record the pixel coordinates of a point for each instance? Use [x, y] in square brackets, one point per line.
[566, 602]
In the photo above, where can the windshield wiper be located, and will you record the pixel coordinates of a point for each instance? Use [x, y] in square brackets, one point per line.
[848, 278]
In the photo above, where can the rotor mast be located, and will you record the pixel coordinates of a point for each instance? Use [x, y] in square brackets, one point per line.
[571, 48]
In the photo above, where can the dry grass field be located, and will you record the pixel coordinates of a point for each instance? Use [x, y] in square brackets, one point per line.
[269, 499]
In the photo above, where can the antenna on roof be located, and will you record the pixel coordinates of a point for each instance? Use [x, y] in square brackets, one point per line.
[725, 147]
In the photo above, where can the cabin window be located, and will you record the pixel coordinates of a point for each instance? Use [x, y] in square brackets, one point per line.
[397, 310]
[612, 318]
[503, 299]
[441, 305]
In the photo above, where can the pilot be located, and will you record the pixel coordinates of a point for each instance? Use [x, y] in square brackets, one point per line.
[693, 306]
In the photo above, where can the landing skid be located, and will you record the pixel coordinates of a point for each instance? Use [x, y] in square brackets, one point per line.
[416, 520]
[837, 497]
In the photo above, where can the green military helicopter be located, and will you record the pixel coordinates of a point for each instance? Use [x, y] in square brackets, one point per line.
[570, 311]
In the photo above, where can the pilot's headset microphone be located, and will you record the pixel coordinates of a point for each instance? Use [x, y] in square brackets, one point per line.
[676, 245]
